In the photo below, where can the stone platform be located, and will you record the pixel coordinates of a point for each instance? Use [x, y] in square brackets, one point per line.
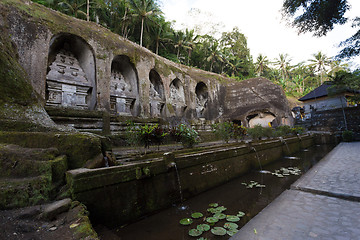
[323, 204]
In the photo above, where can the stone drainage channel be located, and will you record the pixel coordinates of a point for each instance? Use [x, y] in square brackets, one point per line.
[248, 194]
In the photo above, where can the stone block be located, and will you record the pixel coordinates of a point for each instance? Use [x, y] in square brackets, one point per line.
[52, 210]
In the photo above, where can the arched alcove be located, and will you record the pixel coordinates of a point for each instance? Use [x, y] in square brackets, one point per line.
[262, 118]
[177, 97]
[202, 96]
[156, 94]
[123, 86]
[71, 76]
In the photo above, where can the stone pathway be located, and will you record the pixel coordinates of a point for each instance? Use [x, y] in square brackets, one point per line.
[323, 204]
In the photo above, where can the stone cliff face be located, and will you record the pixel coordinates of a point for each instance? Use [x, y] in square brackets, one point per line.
[80, 65]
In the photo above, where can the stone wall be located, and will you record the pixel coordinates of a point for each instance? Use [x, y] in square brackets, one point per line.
[81, 65]
[122, 194]
[333, 120]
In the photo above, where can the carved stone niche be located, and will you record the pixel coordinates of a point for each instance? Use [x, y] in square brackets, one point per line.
[122, 97]
[202, 95]
[66, 82]
[262, 118]
[123, 86]
[177, 97]
[156, 94]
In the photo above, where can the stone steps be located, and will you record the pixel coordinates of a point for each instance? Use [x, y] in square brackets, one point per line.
[29, 175]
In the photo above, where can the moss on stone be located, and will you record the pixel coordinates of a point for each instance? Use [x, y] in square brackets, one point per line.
[77, 147]
[59, 167]
[24, 192]
[14, 86]
[166, 69]
[70, 112]
[84, 230]
[170, 108]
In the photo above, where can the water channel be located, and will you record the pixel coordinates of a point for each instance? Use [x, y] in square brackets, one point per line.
[234, 195]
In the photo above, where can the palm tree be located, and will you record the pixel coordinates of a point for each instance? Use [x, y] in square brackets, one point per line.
[215, 54]
[180, 42]
[283, 64]
[320, 62]
[143, 9]
[190, 39]
[336, 66]
[161, 34]
[74, 7]
[261, 64]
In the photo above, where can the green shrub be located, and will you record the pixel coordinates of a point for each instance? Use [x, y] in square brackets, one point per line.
[186, 135]
[281, 131]
[256, 132]
[229, 130]
[347, 135]
[239, 132]
[223, 130]
[297, 130]
[145, 135]
[268, 132]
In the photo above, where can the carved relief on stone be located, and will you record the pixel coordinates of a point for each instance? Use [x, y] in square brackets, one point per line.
[156, 108]
[201, 103]
[121, 106]
[121, 94]
[153, 93]
[177, 97]
[156, 101]
[66, 81]
[118, 85]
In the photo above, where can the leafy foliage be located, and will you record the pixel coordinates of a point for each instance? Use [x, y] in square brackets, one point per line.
[317, 16]
[186, 135]
[228, 130]
[145, 135]
[258, 132]
[143, 22]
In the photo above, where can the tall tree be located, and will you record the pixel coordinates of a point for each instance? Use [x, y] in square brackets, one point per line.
[215, 54]
[352, 44]
[144, 9]
[179, 39]
[316, 16]
[320, 17]
[191, 39]
[283, 63]
[261, 65]
[74, 7]
[161, 34]
[320, 62]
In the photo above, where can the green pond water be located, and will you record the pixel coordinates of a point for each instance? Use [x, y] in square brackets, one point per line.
[248, 194]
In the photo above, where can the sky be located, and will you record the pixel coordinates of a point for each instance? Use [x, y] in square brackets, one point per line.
[261, 22]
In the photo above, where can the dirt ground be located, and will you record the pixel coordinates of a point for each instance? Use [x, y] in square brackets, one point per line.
[25, 224]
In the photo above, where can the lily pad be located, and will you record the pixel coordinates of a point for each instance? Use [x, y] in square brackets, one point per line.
[232, 218]
[212, 219]
[219, 216]
[186, 221]
[231, 232]
[195, 232]
[197, 215]
[230, 225]
[240, 214]
[220, 209]
[202, 238]
[203, 227]
[211, 210]
[214, 205]
[219, 231]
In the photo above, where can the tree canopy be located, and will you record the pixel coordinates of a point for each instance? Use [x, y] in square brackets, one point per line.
[316, 16]
[319, 17]
[205, 47]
